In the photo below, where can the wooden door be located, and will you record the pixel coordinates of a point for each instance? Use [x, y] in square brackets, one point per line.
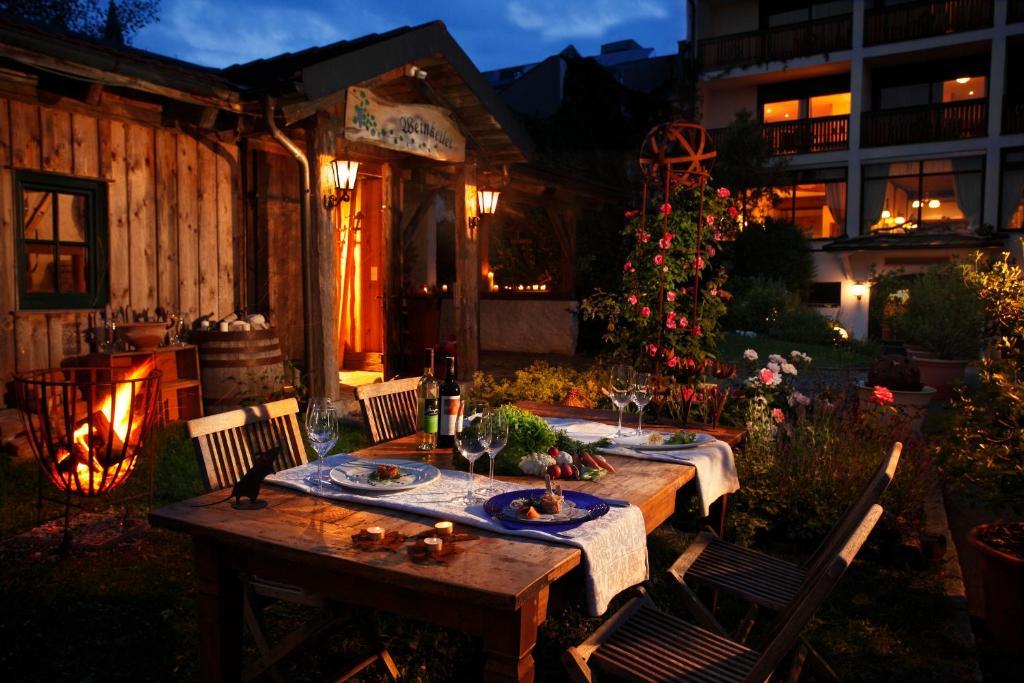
[362, 271]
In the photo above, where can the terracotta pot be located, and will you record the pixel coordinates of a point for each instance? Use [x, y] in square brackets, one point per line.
[940, 373]
[1002, 584]
[914, 351]
[143, 336]
[913, 405]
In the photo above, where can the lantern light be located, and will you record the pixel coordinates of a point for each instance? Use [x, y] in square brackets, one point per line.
[488, 201]
[915, 204]
[934, 204]
[344, 173]
[963, 79]
[886, 213]
[859, 289]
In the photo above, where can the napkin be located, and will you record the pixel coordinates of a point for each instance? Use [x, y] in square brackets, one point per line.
[614, 546]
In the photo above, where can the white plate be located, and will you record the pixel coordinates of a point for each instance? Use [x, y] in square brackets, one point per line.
[355, 474]
[641, 443]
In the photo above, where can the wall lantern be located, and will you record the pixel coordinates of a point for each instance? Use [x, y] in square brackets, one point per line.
[859, 289]
[487, 201]
[344, 173]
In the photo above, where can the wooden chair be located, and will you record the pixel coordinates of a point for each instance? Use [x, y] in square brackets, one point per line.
[389, 408]
[642, 643]
[226, 445]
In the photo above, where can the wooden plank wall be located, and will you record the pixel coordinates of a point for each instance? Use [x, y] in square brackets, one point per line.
[174, 220]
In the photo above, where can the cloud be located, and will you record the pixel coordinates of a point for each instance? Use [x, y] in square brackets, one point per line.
[580, 18]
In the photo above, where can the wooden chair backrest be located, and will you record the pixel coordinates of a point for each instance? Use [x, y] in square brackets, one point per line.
[812, 594]
[847, 524]
[389, 408]
[226, 443]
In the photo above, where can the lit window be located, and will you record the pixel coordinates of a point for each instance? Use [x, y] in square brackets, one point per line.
[775, 112]
[963, 88]
[937, 195]
[837, 104]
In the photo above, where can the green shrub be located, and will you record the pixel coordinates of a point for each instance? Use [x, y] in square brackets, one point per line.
[804, 325]
[774, 250]
[540, 381]
[943, 314]
[757, 303]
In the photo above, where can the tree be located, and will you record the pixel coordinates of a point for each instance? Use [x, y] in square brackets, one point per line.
[89, 18]
[745, 164]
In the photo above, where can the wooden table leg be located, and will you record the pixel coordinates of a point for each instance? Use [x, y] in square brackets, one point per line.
[219, 608]
[509, 641]
[718, 511]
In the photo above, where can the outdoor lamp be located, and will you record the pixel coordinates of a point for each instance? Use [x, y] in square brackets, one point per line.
[344, 173]
[487, 200]
[859, 289]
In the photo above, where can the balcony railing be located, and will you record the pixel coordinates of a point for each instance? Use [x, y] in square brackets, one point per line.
[931, 123]
[782, 42]
[922, 19]
[1013, 117]
[803, 136]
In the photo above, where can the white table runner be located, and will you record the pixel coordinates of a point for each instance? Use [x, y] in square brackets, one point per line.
[614, 546]
[714, 462]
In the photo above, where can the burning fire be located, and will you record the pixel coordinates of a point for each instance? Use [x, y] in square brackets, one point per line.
[105, 458]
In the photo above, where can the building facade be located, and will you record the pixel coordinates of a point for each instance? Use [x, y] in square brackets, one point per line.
[901, 125]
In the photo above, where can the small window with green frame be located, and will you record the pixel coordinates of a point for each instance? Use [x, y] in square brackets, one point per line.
[62, 241]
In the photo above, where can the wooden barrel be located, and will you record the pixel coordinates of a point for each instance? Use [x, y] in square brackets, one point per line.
[239, 368]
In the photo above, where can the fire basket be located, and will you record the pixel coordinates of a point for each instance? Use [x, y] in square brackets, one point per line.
[87, 426]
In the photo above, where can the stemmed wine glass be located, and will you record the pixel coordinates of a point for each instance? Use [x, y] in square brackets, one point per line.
[321, 427]
[472, 438]
[621, 380]
[641, 396]
[497, 429]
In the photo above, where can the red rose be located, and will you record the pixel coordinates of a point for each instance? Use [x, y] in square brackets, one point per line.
[665, 209]
[723, 192]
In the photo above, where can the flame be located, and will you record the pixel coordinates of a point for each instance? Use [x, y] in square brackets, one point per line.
[91, 476]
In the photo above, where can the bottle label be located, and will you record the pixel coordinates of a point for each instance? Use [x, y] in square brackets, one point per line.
[450, 406]
[428, 423]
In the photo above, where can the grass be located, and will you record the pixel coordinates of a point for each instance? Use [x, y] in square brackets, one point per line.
[854, 356]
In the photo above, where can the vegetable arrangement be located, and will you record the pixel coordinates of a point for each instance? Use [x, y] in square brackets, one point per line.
[528, 435]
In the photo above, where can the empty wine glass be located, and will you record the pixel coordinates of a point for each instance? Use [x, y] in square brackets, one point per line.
[641, 396]
[497, 429]
[321, 428]
[471, 438]
[621, 385]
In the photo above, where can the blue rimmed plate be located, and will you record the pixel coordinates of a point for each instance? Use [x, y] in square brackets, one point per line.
[577, 509]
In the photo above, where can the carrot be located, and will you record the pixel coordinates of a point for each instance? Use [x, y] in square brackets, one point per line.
[590, 460]
[604, 463]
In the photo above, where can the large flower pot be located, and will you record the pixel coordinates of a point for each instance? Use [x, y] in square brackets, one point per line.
[940, 373]
[918, 352]
[1002, 585]
[912, 405]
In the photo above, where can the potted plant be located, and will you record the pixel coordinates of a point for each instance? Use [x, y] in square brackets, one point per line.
[944, 315]
[909, 396]
[1000, 547]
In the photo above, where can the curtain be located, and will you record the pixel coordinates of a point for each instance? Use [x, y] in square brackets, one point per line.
[967, 189]
[1013, 193]
[835, 198]
[873, 201]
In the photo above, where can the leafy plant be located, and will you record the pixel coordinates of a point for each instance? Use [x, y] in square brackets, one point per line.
[527, 434]
[540, 381]
[773, 250]
[747, 164]
[804, 325]
[757, 303]
[943, 314]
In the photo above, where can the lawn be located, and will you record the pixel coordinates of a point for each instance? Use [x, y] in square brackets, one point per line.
[825, 357]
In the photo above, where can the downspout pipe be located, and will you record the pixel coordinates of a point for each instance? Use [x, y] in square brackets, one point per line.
[305, 220]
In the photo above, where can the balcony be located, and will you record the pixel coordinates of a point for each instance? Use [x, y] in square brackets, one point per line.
[782, 42]
[1013, 117]
[930, 123]
[923, 19]
[802, 136]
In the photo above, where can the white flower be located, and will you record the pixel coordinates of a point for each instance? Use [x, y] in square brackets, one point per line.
[751, 355]
[799, 357]
[798, 399]
[776, 358]
[789, 368]
[775, 366]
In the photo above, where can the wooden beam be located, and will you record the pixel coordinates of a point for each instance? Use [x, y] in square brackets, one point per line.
[94, 94]
[393, 263]
[467, 273]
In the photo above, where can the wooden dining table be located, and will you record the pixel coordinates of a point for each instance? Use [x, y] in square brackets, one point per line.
[498, 587]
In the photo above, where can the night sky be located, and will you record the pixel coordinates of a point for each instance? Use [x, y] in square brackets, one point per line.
[495, 33]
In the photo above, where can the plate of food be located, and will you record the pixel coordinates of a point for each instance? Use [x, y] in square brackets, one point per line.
[538, 508]
[383, 475]
[663, 441]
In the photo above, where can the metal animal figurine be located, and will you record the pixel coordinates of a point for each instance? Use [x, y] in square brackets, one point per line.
[248, 486]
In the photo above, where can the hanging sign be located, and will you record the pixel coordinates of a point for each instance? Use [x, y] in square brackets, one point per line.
[420, 129]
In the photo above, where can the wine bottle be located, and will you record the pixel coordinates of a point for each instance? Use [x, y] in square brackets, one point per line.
[451, 402]
[427, 395]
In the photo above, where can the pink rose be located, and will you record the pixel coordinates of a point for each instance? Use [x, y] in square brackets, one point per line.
[766, 376]
[733, 212]
[723, 192]
[643, 236]
[664, 244]
[699, 263]
[658, 259]
[670, 323]
[778, 415]
[711, 251]
[881, 396]
[632, 299]
[665, 209]
[684, 322]
[697, 331]
[652, 349]
[645, 311]
[670, 296]
[632, 213]
[718, 235]
[627, 265]
[673, 361]
[710, 219]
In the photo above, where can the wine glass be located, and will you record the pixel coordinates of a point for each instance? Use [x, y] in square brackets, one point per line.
[471, 438]
[621, 381]
[641, 396]
[321, 427]
[497, 428]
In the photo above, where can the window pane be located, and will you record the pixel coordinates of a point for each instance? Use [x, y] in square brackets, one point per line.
[38, 219]
[964, 88]
[904, 96]
[781, 111]
[817, 206]
[952, 201]
[40, 274]
[1012, 198]
[888, 204]
[72, 217]
[782, 208]
[837, 104]
[73, 270]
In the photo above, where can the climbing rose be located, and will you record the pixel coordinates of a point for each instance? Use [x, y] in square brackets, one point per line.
[684, 322]
[778, 415]
[711, 251]
[627, 265]
[766, 376]
[632, 213]
[652, 349]
[697, 331]
[643, 236]
[723, 192]
[710, 219]
[881, 396]
[665, 209]
[670, 296]
[645, 311]
[673, 361]
[658, 259]
[699, 263]
[670, 323]
[733, 212]
[632, 299]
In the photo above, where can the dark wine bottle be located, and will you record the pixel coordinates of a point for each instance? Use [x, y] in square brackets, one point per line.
[451, 402]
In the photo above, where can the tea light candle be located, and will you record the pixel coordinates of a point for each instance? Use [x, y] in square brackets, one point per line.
[375, 532]
[222, 327]
[434, 545]
[443, 528]
[204, 324]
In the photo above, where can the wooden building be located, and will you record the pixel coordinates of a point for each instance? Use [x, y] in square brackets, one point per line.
[132, 179]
